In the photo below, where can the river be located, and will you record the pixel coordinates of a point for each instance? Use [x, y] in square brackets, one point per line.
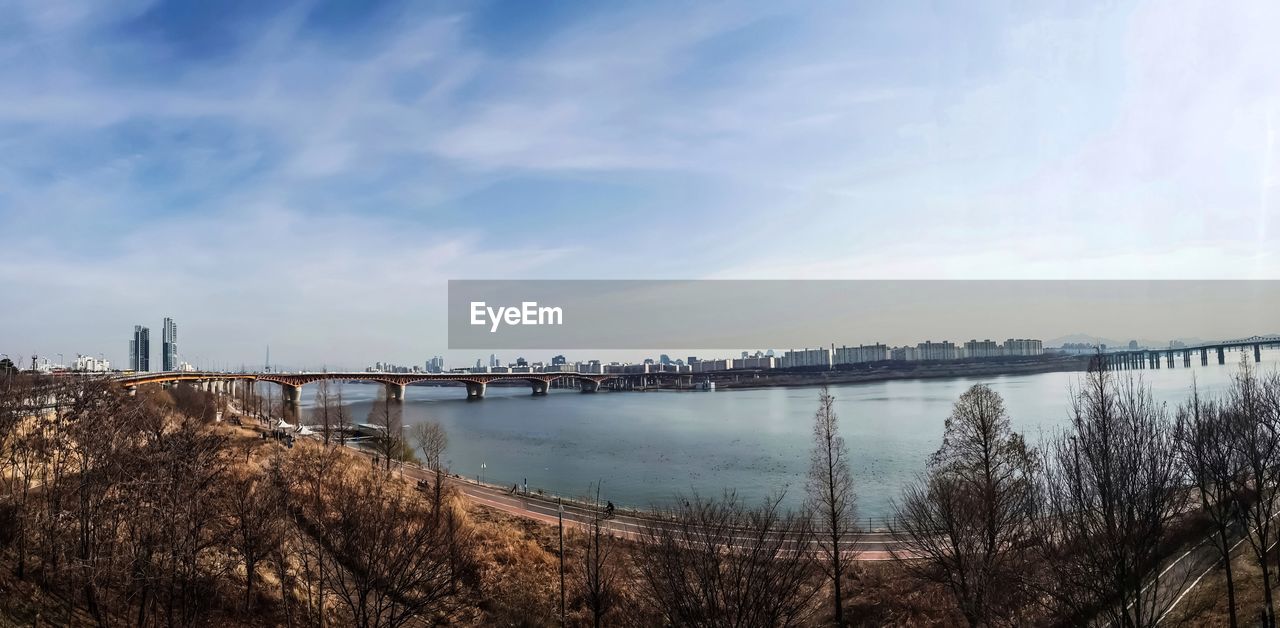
[645, 447]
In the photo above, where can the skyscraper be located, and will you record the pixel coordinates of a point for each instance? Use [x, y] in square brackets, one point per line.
[140, 349]
[169, 346]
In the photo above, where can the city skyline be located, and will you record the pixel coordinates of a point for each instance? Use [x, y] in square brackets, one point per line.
[309, 177]
[910, 351]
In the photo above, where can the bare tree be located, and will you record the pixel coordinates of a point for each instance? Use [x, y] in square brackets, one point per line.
[185, 486]
[1213, 464]
[342, 414]
[1111, 492]
[305, 484]
[257, 522]
[324, 412]
[432, 441]
[26, 459]
[966, 523]
[20, 461]
[831, 498]
[389, 558]
[1255, 431]
[268, 408]
[718, 563]
[103, 431]
[387, 414]
[600, 570]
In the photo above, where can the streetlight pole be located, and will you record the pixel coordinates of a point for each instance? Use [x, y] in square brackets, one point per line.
[560, 509]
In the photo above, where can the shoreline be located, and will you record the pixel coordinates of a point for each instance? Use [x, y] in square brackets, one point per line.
[938, 371]
[745, 379]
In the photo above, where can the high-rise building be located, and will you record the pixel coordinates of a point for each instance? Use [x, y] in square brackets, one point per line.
[1023, 346]
[140, 349]
[983, 349]
[859, 354]
[169, 346]
[806, 357]
[930, 350]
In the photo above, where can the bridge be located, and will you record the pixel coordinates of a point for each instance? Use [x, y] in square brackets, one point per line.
[1151, 358]
[292, 383]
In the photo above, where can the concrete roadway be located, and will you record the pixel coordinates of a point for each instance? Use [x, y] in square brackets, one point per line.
[623, 524]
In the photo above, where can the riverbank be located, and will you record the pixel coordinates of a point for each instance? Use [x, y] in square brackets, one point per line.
[907, 370]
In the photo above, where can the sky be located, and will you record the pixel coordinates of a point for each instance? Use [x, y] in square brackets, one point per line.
[309, 175]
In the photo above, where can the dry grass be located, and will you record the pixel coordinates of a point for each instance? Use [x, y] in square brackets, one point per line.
[1206, 605]
[516, 579]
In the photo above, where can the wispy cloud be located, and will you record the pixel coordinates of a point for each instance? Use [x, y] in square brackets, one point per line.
[285, 174]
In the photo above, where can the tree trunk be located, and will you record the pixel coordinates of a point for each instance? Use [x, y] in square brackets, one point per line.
[1231, 586]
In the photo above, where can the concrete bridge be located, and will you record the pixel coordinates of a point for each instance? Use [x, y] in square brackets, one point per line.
[1151, 358]
[292, 383]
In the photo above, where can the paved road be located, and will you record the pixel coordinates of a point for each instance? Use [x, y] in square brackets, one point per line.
[630, 525]
[1183, 573]
[1195, 565]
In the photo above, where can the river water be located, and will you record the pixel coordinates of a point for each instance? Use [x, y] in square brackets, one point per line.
[645, 447]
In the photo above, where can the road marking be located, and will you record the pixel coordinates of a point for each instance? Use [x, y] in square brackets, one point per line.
[1210, 568]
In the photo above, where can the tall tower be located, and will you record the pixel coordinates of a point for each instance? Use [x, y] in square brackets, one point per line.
[169, 346]
[140, 349]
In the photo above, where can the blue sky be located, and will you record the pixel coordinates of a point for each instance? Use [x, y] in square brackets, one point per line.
[310, 174]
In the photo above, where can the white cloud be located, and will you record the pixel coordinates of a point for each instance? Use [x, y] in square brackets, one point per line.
[1136, 141]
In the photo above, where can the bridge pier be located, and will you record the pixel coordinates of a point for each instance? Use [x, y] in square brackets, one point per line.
[395, 392]
[1168, 358]
[133, 390]
[1186, 358]
[589, 385]
[1222, 357]
[475, 390]
[539, 387]
[1204, 357]
[292, 394]
[1257, 353]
